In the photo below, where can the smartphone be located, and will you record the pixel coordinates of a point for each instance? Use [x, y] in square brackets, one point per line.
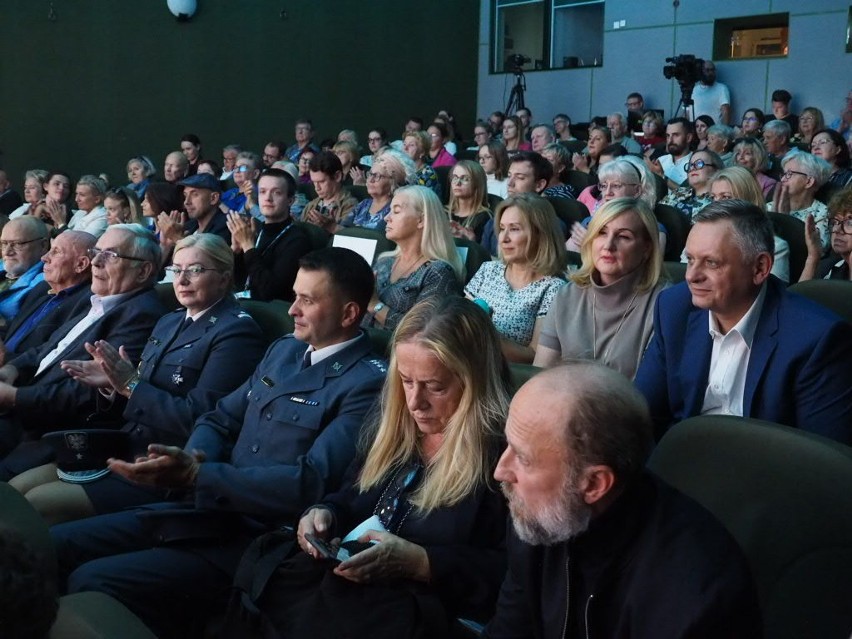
[326, 551]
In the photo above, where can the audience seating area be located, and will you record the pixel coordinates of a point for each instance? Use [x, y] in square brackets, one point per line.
[784, 495]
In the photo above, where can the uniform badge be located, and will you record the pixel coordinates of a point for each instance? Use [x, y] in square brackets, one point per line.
[177, 378]
[78, 442]
[214, 319]
[337, 367]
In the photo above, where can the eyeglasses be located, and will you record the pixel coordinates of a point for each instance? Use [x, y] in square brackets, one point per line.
[244, 168]
[460, 179]
[844, 227]
[374, 139]
[191, 272]
[110, 256]
[5, 245]
[434, 135]
[480, 134]
[750, 119]
[372, 176]
[615, 186]
[806, 118]
[786, 175]
[698, 164]
[818, 143]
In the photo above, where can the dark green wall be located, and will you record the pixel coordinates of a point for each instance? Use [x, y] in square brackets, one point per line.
[109, 79]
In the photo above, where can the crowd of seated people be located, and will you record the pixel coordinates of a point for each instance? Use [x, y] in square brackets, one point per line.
[88, 343]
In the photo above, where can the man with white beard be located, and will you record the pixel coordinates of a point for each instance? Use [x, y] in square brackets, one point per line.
[600, 547]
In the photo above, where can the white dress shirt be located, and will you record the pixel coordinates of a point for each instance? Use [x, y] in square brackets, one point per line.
[729, 362]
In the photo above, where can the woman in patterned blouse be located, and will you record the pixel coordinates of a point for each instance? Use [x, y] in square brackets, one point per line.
[519, 288]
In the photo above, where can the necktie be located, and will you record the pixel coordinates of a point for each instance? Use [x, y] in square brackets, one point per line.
[306, 359]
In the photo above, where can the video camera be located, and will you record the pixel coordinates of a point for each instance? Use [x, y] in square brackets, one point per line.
[516, 62]
[687, 70]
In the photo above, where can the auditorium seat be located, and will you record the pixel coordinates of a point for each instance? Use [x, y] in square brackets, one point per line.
[578, 180]
[358, 191]
[475, 256]
[792, 230]
[569, 211]
[272, 317]
[677, 228]
[382, 243]
[443, 173]
[166, 292]
[835, 295]
[319, 237]
[784, 495]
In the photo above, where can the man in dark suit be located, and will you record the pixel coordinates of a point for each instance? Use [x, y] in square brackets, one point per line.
[271, 448]
[64, 294]
[731, 339]
[34, 389]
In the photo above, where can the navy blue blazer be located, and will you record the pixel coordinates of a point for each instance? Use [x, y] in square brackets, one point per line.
[52, 399]
[183, 374]
[799, 371]
[75, 305]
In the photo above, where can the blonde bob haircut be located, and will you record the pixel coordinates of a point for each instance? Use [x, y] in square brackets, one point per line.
[652, 267]
[478, 182]
[436, 241]
[546, 247]
[743, 184]
[463, 339]
[215, 248]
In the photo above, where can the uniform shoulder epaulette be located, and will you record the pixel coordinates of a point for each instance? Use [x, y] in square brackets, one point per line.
[378, 364]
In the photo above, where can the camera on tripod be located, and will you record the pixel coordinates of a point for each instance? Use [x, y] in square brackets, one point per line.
[687, 70]
[516, 61]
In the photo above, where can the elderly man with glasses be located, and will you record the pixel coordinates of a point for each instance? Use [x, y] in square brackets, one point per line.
[23, 241]
[35, 392]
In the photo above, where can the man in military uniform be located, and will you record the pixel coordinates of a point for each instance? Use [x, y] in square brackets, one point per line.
[271, 448]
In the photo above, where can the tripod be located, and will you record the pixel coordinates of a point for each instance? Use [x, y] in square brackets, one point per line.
[686, 101]
[516, 97]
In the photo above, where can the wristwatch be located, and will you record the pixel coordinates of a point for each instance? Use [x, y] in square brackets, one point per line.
[379, 306]
[132, 383]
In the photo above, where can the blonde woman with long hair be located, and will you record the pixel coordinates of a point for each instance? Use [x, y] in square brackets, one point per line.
[425, 262]
[422, 485]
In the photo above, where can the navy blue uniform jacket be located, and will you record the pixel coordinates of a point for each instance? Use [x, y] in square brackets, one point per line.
[183, 374]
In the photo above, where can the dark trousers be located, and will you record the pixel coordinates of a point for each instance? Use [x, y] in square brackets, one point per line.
[173, 589]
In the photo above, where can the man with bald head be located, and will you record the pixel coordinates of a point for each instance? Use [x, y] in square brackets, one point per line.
[23, 241]
[63, 295]
[175, 167]
[600, 547]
